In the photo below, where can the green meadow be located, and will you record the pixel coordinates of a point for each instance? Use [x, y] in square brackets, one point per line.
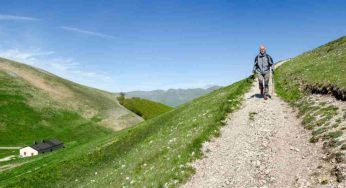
[153, 153]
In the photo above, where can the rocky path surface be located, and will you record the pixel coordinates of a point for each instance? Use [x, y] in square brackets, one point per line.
[262, 145]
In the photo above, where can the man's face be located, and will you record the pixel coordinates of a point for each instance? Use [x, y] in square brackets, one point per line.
[262, 49]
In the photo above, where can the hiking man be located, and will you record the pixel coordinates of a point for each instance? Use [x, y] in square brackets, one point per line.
[262, 66]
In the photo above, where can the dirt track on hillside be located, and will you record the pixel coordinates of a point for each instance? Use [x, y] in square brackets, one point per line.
[262, 145]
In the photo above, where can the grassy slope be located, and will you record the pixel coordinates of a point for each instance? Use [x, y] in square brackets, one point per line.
[35, 105]
[145, 108]
[7, 152]
[152, 154]
[322, 66]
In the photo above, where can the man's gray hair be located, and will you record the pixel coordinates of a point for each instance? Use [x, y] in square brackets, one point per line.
[262, 46]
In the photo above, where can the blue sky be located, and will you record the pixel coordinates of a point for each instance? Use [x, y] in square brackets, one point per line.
[145, 45]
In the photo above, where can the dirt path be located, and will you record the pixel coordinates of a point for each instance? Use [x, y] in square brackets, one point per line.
[262, 145]
[7, 158]
[10, 147]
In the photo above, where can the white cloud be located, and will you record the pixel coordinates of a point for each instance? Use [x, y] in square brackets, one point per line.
[29, 57]
[67, 68]
[91, 33]
[16, 18]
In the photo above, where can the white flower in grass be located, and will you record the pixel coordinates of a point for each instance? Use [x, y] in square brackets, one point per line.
[95, 173]
[127, 178]
[123, 166]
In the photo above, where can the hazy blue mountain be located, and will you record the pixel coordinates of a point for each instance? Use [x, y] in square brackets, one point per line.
[172, 97]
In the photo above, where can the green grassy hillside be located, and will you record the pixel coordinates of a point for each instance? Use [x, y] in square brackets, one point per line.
[321, 71]
[35, 105]
[145, 108]
[154, 153]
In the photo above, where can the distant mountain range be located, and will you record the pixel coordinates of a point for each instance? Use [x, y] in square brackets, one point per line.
[172, 97]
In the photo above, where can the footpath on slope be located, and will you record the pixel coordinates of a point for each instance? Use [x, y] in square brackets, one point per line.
[263, 144]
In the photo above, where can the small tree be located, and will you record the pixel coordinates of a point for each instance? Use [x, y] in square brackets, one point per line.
[121, 98]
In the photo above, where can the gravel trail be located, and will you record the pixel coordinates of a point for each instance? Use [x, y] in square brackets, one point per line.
[262, 145]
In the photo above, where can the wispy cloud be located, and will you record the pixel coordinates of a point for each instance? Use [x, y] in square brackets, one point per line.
[65, 67]
[29, 56]
[17, 18]
[86, 32]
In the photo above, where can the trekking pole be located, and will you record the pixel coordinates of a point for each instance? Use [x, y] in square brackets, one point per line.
[263, 86]
[273, 86]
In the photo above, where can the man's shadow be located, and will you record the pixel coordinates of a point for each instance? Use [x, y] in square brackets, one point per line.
[259, 96]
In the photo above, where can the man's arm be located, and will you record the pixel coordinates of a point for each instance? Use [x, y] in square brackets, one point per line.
[254, 70]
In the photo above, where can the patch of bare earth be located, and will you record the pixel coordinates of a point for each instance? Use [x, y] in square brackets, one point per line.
[263, 145]
[55, 91]
[119, 119]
